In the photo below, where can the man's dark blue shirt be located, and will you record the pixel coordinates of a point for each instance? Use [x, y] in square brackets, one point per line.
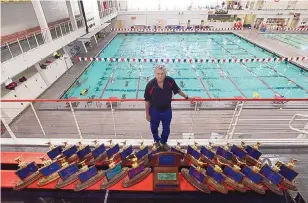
[159, 98]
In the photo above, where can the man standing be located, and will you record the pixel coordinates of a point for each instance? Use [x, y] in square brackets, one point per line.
[158, 95]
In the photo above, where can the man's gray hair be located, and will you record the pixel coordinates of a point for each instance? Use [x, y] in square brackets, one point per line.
[161, 67]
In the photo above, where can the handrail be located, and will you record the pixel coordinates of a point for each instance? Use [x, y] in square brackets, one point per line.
[140, 100]
[295, 129]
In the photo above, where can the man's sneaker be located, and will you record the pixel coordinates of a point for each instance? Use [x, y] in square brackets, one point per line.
[165, 147]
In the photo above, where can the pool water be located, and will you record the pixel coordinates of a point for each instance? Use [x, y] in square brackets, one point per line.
[299, 41]
[207, 80]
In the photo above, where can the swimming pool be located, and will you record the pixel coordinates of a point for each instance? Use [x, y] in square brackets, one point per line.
[208, 80]
[299, 41]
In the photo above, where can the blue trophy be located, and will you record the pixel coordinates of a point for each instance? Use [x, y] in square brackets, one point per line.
[98, 154]
[207, 155]
[70, 152]
[271, 178]
[192, 154]
[289, 174]
[55, 152]
[84, 152]
[216, 178]
[224, 155]
[49, 171]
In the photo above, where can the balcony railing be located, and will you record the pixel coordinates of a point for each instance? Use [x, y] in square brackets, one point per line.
[270, 121]
[23, 43]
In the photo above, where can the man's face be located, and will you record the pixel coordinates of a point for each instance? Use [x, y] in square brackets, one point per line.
[160, 74]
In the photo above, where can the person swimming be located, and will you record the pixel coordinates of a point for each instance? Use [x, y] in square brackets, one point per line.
[84, 92]
[182, 85]
[148, 78]
[126, 83]
[123, 96]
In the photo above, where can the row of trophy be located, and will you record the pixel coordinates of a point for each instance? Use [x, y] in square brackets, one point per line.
[237, 167]
[234, 166]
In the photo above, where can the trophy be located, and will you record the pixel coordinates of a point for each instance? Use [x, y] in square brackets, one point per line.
[99, 153]
[192, 155]
[154, 150]
[288, 173]
[28, 173]
[70, 152]
[216, 179]
[112, 153]
[126, 151]
[114, 174]
[49, 171]
[54, 152]
[253, 154]
[239, 153]
[272, 178]
[252, 178]
[233, 176]
[142, 154]
[177, 148]
[88, 177]
[207, 155]
[224, 155]
[68, 174]
[84, 152]
[137, 174]
[196, 176]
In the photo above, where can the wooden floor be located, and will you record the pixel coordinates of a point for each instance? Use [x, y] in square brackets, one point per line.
[212, 120]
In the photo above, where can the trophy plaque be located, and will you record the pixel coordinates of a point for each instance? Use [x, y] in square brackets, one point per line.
[70, 152]
[216, 179]
[113, 152]
[233, 177]
[253, 154]
[68, 174]
[49, 171]
[84, 152]
[126, 151]
[253, 179]
[113, 175]
[165, 171]
[192, 155]
[99, 153]
[271, 178]
[196, 177]
[239, 153]
[224, 155]
[142, 154]
[88, 177]
[288, 173]
[207, 155]
[137, 174]
[54, 152]
[28, 173]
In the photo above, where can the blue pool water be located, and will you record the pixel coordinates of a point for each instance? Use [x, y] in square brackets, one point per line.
[299, 41]
[224, 80]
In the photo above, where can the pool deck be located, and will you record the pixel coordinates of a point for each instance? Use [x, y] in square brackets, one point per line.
[130, 120]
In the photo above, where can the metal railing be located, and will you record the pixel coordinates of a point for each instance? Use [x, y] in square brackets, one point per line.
[26, 42]
[270, 121]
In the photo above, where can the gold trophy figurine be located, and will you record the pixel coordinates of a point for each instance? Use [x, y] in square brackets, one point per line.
[49, 171]
[110, 143]
[195, 146]
[142, 145]
[137, 174]
[28, 173]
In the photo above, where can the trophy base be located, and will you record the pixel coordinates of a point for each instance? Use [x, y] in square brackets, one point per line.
[274, 188]
[255, 187]
[81, 186]
[200, 186]
[223, 160]
[251, 161]
[237, 186]
[288, 184]
[72, 158]
[48, 179]
[27, 181]
[62, 183]
[207, 160]
[191, 159]
[115, 157]
[137, 179]
[106, 184]
[101, 157]
[234, 159]
[220, 188]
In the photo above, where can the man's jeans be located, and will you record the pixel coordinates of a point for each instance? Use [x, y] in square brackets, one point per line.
[157, 117]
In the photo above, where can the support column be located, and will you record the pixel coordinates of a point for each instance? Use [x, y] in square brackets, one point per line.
[71, 14]
[42, 20]
[289, 22]
[39, 69]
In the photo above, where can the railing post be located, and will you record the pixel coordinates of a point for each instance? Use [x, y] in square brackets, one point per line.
[36, 40]
[9, 49]
[237, 114]
[192, 119]
[22, 51]
[28, 42]
[61, 30]
[7, 127]
[56, 31]
[114, 125]
[75, 119]
[38, 120]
